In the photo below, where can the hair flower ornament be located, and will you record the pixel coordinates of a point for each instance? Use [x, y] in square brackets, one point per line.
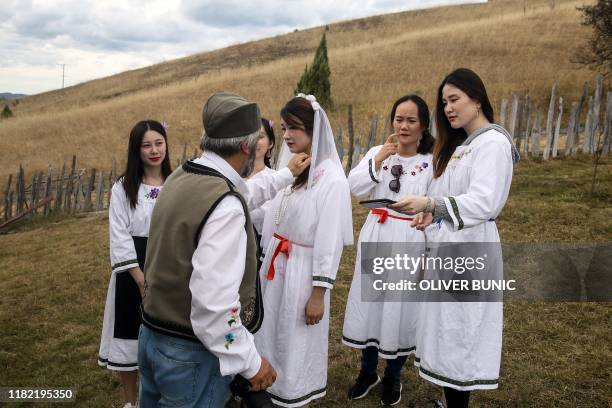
[165, 125]
[312, 99]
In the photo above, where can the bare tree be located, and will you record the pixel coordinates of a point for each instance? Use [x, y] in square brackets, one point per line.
[597, 52]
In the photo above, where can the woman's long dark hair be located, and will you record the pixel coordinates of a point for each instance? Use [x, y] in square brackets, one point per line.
[134, 170]
[427, 141]
[448, 138]
[267, 125]
[298, 113]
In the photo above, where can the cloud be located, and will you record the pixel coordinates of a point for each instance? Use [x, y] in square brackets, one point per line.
[38, 35]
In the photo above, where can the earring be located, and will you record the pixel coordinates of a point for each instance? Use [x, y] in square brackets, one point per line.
[477, 111]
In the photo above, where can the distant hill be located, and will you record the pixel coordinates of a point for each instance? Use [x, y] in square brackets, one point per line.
[514, 45]
[8, 96]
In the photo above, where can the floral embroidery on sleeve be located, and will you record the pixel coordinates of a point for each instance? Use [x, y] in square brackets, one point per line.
[229, 339]
[233, 317]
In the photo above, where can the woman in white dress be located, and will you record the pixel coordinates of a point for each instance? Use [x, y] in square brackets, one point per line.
[459, 343]
[304, 231]
[262, 166]
[400, 167]
[132, 199]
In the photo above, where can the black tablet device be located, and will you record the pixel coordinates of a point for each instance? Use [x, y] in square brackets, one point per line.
[377, 203]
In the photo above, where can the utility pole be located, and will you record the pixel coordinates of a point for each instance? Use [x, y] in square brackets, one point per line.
[63, 72]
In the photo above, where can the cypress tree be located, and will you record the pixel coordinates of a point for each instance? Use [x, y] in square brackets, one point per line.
[315, 80]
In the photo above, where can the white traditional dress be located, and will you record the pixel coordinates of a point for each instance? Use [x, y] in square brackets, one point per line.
[304, 232]
[128, 231]
[389, 326]
[459, 343]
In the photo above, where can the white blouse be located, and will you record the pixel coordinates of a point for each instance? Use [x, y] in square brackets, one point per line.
[126, 222]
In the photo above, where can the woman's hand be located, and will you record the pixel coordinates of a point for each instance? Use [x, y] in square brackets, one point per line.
[411, 204]
[315, 307]
[139, 278]
[389, 148]
[422, 221]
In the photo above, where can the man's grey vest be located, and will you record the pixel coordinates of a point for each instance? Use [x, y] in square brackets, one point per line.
[190, 195]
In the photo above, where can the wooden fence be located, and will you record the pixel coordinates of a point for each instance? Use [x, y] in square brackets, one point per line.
[74, 189]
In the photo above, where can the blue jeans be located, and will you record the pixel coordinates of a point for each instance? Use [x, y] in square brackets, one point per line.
[178, 373]
[369, 362]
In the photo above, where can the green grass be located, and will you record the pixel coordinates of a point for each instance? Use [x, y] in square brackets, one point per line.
[54, 273]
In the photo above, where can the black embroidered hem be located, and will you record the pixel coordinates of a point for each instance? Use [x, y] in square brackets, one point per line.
[351, 342]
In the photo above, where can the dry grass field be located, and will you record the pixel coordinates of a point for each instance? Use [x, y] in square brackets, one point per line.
[515, 45]
[54, 272]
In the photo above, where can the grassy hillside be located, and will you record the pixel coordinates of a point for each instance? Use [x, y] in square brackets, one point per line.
[515, 45]
[54, 275]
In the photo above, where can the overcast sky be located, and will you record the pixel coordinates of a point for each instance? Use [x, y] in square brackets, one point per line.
[104, 37]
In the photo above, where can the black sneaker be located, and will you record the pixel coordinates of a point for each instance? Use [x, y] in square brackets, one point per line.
[363, 385]
[391, 391]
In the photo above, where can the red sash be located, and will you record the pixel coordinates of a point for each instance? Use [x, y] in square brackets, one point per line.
[384, 214]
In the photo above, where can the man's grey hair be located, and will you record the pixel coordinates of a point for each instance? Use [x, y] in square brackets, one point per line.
[230, 146]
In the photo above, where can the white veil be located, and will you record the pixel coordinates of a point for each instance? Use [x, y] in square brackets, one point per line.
[323, 148]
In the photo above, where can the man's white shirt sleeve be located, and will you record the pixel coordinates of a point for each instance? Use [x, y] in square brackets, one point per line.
[215, 281]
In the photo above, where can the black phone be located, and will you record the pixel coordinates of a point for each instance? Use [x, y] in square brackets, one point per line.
[377, 203]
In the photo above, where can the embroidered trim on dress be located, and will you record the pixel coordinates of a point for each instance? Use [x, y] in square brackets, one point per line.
[300, 399]
[323, 279]
[371, 172]
[381, 351]
[457, 382]
[456, 211]
[124, 263]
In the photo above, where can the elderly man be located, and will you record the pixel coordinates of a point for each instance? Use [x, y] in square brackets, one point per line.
[201, 266]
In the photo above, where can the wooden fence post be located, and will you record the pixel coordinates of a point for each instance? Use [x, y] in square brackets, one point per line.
[525, 136]
[349, 158]
[513, 113]
[549, 121]
[583, 98]
[557, 129]
[536, 132]
[502, 112]
[47, 207]
[340, 143]
[34, 193]
[68, 195]
[78, 192]
[7, 203]
[59, 189]
[100, 192]
[20, 189]
[10, 205]
[89, 189]
[111, 181]
[571, 130]
[605, 150]
[595, 115]
[586, 146]
[356, 152]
